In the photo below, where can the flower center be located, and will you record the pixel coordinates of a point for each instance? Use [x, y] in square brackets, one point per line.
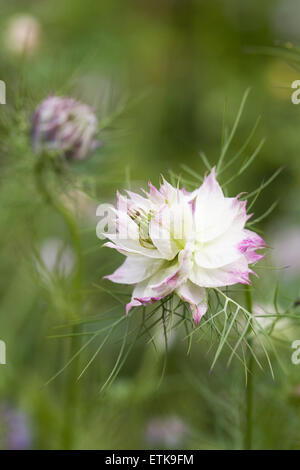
[142, 220]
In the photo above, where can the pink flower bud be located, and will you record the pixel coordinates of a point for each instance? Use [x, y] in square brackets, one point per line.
[65, 125]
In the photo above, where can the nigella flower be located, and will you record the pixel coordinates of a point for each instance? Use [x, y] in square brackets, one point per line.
[65, 125]
[169, 431]
[15, 432]
[176, 241]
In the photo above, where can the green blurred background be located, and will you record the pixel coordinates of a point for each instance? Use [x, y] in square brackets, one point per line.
[172, 66]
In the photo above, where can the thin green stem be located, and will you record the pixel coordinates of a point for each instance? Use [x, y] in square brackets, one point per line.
[71, 394]
[71, 390]
[248, 445]
[42, 186]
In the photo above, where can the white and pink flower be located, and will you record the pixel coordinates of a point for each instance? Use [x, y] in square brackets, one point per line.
[176, 241]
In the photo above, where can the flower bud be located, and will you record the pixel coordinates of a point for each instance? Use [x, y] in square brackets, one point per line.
[16, 432]
[65, 125]
[55, 258]
[22, 35]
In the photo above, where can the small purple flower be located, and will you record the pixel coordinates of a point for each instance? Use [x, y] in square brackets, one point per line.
[65, 125]
[167, 432]
[15, 433]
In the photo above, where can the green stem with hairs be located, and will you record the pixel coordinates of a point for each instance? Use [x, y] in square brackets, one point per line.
[248, 444]
[71, 390]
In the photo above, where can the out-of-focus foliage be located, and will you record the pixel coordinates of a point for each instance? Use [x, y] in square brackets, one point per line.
[160, 75]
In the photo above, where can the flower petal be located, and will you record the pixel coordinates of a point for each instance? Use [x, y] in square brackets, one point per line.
[171, 195]
[171, 277]
[233, 273]
[139, 201]
[221, 251]
[135, 269]
[214, 213]
[251, 242]
[164, 281]
[142, 295]
[159, 231]
[170, 228]
[127, 237]
[196, 297]
[155, 195]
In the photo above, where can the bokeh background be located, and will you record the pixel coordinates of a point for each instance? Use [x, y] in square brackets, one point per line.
[161, 72]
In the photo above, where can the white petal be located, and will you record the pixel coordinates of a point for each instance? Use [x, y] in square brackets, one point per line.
[214, 213]
[124, 227]
[135, 269]
[164, 281]
[127, 247]
[127, 237]
[233, 273]
[139, 201]
[220, 251]
[142, 294]
[170, 229]
[170, 194]
[159, 231]
[196, 297]
[168, 279]
[155, 195]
